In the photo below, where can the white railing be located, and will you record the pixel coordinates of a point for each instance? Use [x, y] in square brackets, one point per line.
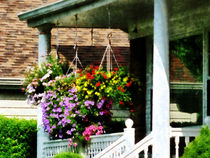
[186, 133]
[141, 146]
[122, 145]
[96, 145]
[52, 147]
[100, 142]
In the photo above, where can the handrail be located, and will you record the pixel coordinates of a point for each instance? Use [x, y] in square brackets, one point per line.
[186, 131]
[120, 141]
[142, 145]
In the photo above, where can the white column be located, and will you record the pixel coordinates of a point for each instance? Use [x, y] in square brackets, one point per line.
[160, 125]
[44, 46]
[43, 51]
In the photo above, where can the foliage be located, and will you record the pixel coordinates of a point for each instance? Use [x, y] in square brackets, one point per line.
[200, 147]
[68, 155]
[17, 138]
[189, 51]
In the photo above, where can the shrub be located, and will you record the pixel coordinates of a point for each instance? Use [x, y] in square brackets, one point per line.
[200, 147]
[68, 155]
[17, 138]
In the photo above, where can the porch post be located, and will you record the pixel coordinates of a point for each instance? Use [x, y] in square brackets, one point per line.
[44, 44]
[160, 125]
[43, 50]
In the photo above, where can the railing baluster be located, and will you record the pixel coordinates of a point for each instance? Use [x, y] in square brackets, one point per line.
[187, 140]
[177, 146]
[146, 152]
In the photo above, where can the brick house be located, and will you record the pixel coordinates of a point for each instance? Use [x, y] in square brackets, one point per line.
[19, 51]
[136, 18]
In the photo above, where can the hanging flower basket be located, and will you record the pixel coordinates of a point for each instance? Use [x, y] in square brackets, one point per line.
[79, 105]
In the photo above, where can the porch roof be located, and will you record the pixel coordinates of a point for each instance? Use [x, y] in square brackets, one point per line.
[187, 17]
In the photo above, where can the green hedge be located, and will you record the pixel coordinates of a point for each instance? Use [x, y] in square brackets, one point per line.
[200, 147]
[68, 155]
[17, 138]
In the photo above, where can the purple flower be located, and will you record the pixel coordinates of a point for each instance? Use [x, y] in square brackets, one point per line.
[68, 132]
[59, 109]
[53, 126]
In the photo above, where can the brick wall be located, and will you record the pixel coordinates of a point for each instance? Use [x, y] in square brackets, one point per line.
[18, 43]
[178, 72]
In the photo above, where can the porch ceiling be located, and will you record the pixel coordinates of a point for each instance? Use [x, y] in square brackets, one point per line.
[186, 17]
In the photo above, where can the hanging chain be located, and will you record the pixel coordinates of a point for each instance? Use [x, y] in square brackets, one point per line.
[57, 42]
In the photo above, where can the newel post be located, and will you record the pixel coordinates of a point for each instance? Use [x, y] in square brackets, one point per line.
[129, 134]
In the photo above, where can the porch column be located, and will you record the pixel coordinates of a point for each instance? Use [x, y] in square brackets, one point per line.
[43, 50]
[160, 125]
[44, 44]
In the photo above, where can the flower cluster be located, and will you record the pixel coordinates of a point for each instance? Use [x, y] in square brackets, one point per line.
[94, 84]
[37, 78]
[79, 105]
[92, 130]
[65, 115]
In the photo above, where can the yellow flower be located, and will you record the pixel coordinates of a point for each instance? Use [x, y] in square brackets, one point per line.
[78, 88]
[89, 92]
[96, 93]
[109, 75]
[125, 79]
[86, 84]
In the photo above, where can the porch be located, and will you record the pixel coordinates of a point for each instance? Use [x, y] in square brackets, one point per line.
[136, 17]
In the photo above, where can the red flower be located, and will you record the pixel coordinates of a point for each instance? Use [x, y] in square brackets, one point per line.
[96, 67]
[91, 66]
[105, 77]
[128, 84]
[88, 75]
[113, 72]
[80, 75]
[98, 84]
[131, 110]
[119, 88]
[121, 102]
[91, 77]
[116, 69]
[123, 90]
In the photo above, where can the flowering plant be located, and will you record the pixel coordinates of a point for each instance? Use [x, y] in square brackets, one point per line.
[79, 104]
[94, 84]
[67, 116]
[36, 78]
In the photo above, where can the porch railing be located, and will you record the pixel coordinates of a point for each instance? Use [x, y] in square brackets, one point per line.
[121, 145]
[120, 149]
[186, 134]
[96, 145]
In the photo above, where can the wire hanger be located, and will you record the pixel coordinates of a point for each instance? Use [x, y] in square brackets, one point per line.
[108, 51]
[76, 58]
